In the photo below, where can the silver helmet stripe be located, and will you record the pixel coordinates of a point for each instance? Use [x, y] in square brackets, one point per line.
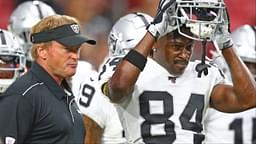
[254, 30]
[3, 41]
[39, 9]
[142, 18]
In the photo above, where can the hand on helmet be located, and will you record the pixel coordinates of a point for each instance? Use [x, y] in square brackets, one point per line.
[160, 24]
[222, 36]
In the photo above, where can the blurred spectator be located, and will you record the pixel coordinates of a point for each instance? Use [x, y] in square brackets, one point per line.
[87, 12]
[6, 9]
[95, 17]
[98, 28]
[57, 5]
[146, 6]
[84, 10]
[241, 12]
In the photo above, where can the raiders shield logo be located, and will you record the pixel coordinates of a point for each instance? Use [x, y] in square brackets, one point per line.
[75, 28]
[10, 140]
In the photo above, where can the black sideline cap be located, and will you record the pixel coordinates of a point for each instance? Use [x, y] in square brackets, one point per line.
[68, 35]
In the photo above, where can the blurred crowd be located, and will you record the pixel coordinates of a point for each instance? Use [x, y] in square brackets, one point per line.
[241, 12]
[98, 16]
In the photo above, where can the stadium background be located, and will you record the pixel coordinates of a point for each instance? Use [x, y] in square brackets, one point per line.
[98, 16]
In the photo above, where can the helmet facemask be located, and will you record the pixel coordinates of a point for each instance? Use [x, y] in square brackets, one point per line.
[12, 59]
[201, 16]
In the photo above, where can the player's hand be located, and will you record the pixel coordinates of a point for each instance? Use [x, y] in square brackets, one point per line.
[160, 24]
[222, 36]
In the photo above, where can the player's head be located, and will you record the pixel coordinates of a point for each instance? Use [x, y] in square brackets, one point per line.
[12, 59]
[127, 32]
[173, 51]
[201, 16]
[26, 15]
[244, 39]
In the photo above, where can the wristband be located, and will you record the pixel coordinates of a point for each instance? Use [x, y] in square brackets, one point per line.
[136, 59]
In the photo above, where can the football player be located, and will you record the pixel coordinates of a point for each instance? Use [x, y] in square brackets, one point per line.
[163, 95]
[24, 16]
[238, 128]
[12, 59]
[121, 40]
[101, 113]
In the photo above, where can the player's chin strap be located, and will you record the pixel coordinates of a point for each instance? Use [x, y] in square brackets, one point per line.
[202, 67]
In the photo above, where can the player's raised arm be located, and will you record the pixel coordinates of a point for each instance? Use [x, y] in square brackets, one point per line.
[242, 95]
[122, 82]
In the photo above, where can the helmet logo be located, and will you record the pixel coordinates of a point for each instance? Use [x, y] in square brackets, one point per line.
[75, 28]
[10, 140]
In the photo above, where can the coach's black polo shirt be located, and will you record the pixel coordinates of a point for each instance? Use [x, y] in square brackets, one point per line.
[35, 109]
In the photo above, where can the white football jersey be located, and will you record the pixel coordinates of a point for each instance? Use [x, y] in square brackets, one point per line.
[235, 128]
[84, 71]
[230, 128]
[98, 107]
[166, 110]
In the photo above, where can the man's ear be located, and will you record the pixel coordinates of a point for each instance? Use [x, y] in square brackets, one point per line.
[42, 53]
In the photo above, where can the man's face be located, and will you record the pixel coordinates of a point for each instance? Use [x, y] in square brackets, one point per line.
[6, 62]
[6, 74]
[61, 61]
[174, 53]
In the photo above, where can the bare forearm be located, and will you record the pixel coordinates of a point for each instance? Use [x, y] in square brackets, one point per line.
[93, 131]
[123, 80]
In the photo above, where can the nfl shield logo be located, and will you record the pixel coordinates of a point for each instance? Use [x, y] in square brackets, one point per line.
[75, 28]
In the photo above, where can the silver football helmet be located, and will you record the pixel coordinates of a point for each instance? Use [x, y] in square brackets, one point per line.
[201, 16]
[24, 17]
[244, 39]
[127, 32]
[12, 59]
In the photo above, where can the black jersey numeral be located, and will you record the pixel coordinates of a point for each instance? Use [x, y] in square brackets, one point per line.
[237, 126]
[160, 118]
[152, 119]
[87, 94]
[194, 105]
